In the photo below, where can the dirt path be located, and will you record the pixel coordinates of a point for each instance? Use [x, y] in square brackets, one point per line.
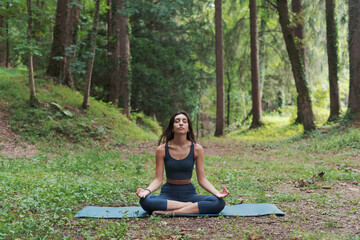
[11, 144]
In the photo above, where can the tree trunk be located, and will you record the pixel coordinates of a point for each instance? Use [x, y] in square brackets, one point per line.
[114, 90]
[299, 30]
[4, 36]
[90, 62]
[331, 37]
[299, 36]
[354, 54]
[220, 100]
[244, 105]
[57, 54]
[33, 100]
[60, 57]
[228, 99]
[124, 101]
[37, 28]
[197, 125]
[109, 20]
[262, 60]
[2, 41]
[255, 68]
[72, 20]
[7, 39]
[297, 67]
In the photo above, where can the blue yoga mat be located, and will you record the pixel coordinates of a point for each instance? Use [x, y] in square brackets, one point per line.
[245, 210]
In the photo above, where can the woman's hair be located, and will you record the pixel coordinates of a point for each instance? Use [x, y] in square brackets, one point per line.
[168, 134]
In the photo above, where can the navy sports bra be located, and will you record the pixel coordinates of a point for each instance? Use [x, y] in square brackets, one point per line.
[179, 169]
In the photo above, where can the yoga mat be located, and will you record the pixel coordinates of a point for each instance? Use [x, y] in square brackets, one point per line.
[245, 210]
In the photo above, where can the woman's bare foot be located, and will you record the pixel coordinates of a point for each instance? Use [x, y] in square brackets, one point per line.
[163, 212]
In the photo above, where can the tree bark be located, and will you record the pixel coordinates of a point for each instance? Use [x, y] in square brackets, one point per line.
[220, 100]
[124, 101]
[299, 36]
[3, 41]
[109, 20]
[33, 100]
[297, 67]
[114, 91]
[7, 39]
[37, 28]
[262, 52]
[4, 35]
[255, 68]
[332, 46]
[354, 55]
[57, 54]
[60, 59]
[228, 99]
[299, 29]
[72, 20]
[90, 62]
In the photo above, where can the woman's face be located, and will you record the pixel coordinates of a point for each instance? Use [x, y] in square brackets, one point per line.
[181, 124]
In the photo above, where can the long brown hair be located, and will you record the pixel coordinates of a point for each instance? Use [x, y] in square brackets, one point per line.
[168, 134]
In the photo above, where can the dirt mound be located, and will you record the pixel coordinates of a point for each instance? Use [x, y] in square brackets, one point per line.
[11, 144]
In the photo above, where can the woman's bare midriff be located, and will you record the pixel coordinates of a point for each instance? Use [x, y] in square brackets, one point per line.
[178, 182]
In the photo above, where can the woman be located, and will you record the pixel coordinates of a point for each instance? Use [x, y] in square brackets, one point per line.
[178, 155]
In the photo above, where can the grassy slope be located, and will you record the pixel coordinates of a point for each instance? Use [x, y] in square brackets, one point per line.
[40, 195]
[49, 123]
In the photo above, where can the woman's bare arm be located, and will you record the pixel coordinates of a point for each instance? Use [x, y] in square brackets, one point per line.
[200, 172]
[159, 172]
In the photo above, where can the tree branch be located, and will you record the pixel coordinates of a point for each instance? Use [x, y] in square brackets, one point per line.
[272, 4]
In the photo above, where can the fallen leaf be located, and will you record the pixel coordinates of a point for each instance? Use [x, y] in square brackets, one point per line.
[321, 174]
[256, 236]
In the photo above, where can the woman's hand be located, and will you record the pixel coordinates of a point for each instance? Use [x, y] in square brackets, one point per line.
[142, 193]
[223, 193]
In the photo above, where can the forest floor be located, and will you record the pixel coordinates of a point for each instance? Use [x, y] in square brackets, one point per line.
[309, 218]
[11, 144]
[315, 208]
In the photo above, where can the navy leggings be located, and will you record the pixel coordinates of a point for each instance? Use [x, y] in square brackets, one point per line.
[208, 204]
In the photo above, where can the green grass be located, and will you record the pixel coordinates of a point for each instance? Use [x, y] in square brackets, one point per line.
[40, 195]
[60, 117]
[81, 164]
[275, 128]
